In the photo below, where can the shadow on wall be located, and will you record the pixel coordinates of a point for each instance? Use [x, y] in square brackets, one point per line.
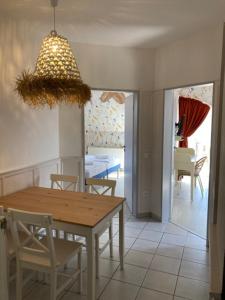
[27, 136]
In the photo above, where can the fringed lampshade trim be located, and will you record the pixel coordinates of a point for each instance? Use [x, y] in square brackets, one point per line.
[38, 91]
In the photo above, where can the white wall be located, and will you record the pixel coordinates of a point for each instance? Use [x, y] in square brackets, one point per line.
[114, 68]
[27, 136]
[195, 59]
[70, 130]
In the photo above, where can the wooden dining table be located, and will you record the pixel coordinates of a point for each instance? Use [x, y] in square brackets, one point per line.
[80, 213]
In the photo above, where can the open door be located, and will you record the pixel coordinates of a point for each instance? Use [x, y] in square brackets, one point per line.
[168, 145]
[129, 152]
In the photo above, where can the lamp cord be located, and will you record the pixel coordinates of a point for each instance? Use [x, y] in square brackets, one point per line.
[54, 16]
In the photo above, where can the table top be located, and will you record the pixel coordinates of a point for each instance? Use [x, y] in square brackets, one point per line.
[71, 207]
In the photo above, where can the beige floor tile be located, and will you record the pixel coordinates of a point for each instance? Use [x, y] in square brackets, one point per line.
[38, 292]
[156, 226]
[115, 228]
[192, 289]
[26, 289]
[151, 235]
[117, 290]
[191, 214]
[194, 270]
[116, 257]
[128, 241]
[193, 241]
[161, 282]
[170, 250]
[136, 224]
[196, 255]
[174, 229]
[145, 246]
[107, 267]
[165, 264]
[104, 237]
[131, 274]
[100, 285]
[174, 239]
[145, 294]
[138, 258]
[132, 232]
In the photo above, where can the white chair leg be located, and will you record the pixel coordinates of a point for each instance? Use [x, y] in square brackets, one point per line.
[80, 268]
[53, 285]
[111, 240]
[57, 234]
[201, 186]
[19, 282]
[97, 255]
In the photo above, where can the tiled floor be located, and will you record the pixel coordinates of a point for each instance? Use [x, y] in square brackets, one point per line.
[162, 262]
[191, 214]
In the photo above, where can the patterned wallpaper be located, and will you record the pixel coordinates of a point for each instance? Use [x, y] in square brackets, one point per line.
[203, 93]
[104, 122]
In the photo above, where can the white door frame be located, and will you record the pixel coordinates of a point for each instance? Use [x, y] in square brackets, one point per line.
[135, 140]
[167, 215]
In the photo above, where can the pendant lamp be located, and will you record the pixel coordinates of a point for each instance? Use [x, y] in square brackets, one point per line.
[56, 78]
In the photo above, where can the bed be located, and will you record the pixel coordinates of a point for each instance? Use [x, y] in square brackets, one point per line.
[100, 166]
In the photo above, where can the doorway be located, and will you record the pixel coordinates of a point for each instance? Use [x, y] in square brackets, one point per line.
[186, 167]
[110, 135]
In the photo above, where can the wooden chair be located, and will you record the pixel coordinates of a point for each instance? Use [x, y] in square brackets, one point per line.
[46, 255]
[64, 182]
[197, 169]
[10, 248]
[101, 187]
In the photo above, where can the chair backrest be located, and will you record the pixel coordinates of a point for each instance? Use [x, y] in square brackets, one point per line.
[64, 182]
[31, 249]
[2, 213]
[199, 164]
[106, 184]
[190, 151]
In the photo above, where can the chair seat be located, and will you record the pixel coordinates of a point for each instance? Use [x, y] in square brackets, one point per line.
[183, 173]
[64, 251]
[187, 173]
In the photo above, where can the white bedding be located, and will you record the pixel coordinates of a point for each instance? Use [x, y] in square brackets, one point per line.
[94, 169]
[96, 164]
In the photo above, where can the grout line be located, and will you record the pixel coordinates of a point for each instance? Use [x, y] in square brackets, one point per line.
[148, 267]
[179, 271]
[110, 278]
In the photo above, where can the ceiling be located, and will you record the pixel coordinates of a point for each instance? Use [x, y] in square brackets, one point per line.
[127, 23]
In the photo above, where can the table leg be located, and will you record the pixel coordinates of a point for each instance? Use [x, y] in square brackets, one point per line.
[121, 236]
[91, 271]
[3, 262]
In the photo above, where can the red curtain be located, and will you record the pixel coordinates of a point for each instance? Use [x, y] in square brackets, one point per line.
[194, 113]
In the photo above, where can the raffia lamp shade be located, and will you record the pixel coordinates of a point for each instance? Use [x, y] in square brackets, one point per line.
[56, 78]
